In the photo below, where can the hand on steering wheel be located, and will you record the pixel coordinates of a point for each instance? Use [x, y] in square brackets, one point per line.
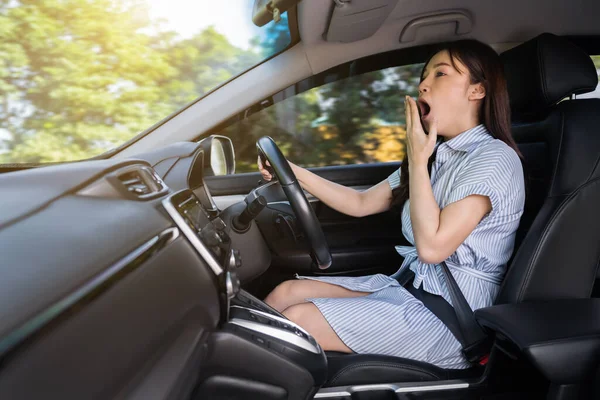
[280, 168]
[265, 169]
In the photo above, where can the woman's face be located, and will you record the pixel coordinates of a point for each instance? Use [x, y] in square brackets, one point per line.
[447, 95]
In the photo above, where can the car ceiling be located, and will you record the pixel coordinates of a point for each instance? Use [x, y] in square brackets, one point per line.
[500, 23]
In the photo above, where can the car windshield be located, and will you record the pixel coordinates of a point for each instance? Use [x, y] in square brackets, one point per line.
[79, 78]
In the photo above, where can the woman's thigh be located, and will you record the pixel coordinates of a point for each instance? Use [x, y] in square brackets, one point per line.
[294, 292]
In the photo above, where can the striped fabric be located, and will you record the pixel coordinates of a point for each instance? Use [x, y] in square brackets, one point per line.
[390, 320]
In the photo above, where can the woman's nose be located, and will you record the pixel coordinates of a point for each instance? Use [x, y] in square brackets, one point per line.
[424, 86]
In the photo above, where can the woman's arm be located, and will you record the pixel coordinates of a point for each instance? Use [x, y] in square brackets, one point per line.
[344, 199]
[438, 233]
[341, 198]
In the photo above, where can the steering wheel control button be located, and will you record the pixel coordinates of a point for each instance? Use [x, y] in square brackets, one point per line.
[285, 227]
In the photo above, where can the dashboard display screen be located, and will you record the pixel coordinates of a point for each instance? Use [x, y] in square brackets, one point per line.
[193, 212]
[206, 235]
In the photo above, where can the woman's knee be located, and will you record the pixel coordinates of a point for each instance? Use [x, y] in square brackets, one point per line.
[298, 313]
[280, 296]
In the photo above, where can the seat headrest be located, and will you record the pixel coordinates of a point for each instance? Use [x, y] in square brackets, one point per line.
[544, 70]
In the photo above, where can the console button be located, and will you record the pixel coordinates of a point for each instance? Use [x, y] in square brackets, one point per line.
[276, 346]
[233, 259]
[210, 237]
[219, 224]
[259, 340]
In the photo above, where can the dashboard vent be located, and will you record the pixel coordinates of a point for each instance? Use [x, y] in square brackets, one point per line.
[134, 183]
[141, 182]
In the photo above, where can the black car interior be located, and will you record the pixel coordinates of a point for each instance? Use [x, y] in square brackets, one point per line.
[143, 286]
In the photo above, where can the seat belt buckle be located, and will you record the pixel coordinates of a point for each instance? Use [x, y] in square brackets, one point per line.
[478, 352]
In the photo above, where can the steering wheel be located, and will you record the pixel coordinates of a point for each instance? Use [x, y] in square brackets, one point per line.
[268, 150]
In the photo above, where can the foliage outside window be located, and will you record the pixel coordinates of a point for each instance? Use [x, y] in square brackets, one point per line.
[356, 120]
[78, 78]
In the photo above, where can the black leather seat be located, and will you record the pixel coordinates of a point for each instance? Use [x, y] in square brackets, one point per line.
[560, 249]
[361, 369]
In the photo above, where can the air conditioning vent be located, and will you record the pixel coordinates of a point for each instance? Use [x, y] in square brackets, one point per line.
[134, 183]
[141, 182]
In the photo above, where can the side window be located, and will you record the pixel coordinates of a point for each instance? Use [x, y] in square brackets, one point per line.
[596, 93]
[355, 120]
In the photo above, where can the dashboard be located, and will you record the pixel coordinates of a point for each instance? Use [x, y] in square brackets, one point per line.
[115, 273]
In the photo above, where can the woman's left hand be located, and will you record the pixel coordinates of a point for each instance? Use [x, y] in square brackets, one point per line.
[420, 145]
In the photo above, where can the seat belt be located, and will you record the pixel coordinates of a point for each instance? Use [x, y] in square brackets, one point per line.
[475, 341]
[459, 319]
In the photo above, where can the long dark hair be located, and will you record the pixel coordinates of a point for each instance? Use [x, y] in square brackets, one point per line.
[484, 66]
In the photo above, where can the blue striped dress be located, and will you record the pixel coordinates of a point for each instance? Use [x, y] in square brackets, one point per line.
[390, 320]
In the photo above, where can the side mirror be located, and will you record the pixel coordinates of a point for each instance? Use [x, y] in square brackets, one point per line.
[219, 157]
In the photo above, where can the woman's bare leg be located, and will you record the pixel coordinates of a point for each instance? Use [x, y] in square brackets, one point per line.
[308, 316]
[290, 293]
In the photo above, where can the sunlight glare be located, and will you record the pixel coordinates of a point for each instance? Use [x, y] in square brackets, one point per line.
[231, 18]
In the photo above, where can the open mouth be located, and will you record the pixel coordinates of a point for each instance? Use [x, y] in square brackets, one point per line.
[424, 108]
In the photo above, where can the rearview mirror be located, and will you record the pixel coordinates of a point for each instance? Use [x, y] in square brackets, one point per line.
[265, 11]
[219, 157]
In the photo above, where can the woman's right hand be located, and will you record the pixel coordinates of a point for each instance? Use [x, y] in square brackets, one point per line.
[265, 174]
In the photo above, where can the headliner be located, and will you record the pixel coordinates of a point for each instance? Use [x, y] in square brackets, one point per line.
[502, 24]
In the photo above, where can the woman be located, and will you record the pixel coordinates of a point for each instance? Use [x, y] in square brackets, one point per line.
[461, 199]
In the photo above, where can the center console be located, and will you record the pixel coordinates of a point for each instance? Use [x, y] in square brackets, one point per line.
[257, 352]
[561, 338]
[281, 336]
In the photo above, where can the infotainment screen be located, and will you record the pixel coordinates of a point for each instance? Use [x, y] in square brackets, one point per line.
[190, 208]
[194, 222]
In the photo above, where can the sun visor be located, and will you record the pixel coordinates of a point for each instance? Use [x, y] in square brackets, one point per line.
[357, 19]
